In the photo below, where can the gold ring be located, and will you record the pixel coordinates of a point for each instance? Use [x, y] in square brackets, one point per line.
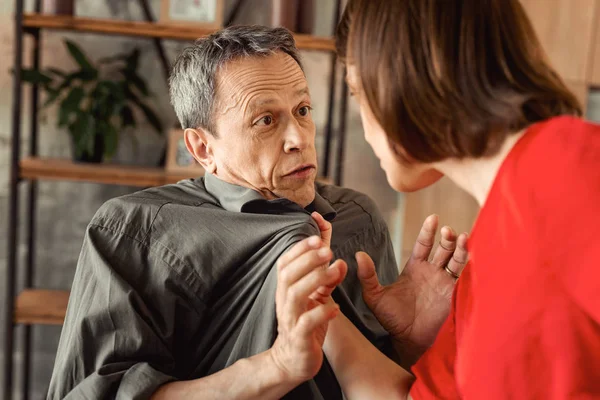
[451, 273]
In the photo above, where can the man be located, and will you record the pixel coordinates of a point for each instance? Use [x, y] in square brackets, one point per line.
[174, 295]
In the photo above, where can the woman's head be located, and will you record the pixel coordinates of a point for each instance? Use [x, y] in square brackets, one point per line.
[445, 79]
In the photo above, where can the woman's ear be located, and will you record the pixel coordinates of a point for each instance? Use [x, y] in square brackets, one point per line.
[199, 144]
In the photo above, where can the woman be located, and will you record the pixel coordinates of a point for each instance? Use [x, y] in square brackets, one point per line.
[462, 88]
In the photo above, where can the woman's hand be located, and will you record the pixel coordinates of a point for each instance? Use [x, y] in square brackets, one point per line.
[414, 308]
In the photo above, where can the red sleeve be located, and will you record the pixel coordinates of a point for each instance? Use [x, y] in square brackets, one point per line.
[434, 372]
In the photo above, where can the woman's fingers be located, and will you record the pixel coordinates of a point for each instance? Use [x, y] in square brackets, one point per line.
[460, 256]
[425, 240]
[446, 247]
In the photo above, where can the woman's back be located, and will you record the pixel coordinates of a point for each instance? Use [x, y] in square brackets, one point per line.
[526, 315]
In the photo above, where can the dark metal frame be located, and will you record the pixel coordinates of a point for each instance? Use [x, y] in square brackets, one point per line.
[31, 210]
[330, 131]
[13, 209]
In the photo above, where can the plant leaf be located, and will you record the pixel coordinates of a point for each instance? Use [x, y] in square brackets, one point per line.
[116, 57]
[79, 56]
[127, 117]
[152, 118]
[66, 82]
[53, 94]
[111, 139]
[35, 77]
[78, 130]
[90, 134]
[133, 59]
[137, 81]
[57, 72]
[86, 75]
[108, 98]
[118, 98]
[70, 105]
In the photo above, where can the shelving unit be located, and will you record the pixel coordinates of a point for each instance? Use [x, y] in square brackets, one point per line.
[29, 312]
[35, 168]
[149, 29]
[37, 306]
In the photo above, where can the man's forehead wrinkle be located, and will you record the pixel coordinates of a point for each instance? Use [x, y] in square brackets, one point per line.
[242, 94]
[268, 82]
[241, 77]
[257, 89]
[238, 85]
[244, 97]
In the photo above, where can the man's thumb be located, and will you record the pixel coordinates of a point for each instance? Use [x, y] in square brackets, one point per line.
[368, 277]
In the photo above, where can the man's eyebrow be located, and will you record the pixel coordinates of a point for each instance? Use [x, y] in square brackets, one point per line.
[255, 104]
[301, 92]
[262, 102]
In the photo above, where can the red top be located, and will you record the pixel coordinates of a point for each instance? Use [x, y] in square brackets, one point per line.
[525, 318]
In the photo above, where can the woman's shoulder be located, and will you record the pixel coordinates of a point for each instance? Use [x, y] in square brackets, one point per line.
[555, 160]
[548, 204]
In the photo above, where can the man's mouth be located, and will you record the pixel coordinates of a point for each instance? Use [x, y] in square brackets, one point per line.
[302, 171]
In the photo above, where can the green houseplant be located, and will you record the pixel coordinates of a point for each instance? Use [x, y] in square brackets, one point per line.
[96, 102]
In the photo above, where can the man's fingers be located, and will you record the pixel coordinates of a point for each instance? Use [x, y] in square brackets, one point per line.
[367, 276]
[312, 319]
[313, 242]
[425, 240]
[461, 255]
[446, 248]
[324, 227]
[342, 268]
[325, 291]
[303, 265]
[299, 293]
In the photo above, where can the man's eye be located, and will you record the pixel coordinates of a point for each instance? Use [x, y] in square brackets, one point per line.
[265, 121]
[304, 111]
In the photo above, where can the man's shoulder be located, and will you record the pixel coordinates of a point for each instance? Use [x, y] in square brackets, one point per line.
[348, 201]
[138, 210]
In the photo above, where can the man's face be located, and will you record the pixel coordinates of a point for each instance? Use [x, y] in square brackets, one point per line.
[265, 132]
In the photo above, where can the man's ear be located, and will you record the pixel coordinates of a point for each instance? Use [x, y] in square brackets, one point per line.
[199, 144]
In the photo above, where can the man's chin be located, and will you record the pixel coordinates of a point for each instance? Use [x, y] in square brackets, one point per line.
[302, 196]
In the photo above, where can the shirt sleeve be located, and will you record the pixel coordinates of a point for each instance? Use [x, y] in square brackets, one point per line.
[434, 372]
[118, 339]
[375, 241]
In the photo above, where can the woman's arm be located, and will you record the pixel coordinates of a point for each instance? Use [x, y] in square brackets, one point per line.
[361, 369]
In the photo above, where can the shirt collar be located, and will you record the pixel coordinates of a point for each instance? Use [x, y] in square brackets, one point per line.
[241, 199]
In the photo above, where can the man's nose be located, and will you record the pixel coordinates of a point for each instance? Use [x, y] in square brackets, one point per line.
[297, 138]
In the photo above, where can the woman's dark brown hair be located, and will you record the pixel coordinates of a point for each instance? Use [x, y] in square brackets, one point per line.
[450, 78]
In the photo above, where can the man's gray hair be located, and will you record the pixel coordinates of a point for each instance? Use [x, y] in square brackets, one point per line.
[194, 73]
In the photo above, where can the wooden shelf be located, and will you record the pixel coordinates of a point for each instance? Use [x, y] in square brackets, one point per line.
[36, 168]
[45, 307]
[63, 169]
[149, 29]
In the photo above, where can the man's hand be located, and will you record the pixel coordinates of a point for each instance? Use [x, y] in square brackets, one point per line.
[302, 320]
[414, 308]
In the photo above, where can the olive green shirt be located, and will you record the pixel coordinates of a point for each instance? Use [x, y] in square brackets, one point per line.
[178, 282]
